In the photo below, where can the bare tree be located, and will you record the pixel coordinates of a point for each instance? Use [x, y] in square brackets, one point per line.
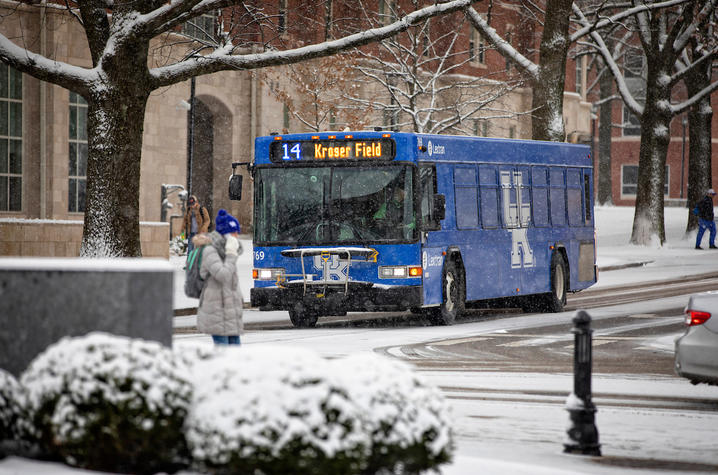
[118, 85]
[700, 117]
[663, 36]
[312, 92]
[548, 76]
[418, 85]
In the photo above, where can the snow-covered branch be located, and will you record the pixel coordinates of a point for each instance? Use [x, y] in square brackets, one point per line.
[627, 13]
[220, 59]
[505, 48]
[695, 99]
[704, 14]
[608, 58]
[66, 75]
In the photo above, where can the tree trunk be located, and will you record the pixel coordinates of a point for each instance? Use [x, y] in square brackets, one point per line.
[547, 101]
[648, 221]
[605, 183]
[115, 125]
[699, 133]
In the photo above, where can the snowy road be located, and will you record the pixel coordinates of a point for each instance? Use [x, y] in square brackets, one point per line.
[647, 417]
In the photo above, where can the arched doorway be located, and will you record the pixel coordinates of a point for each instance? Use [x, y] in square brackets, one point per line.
[201, 176]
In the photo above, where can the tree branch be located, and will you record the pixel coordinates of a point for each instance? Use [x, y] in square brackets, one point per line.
[221, 59]
[66, 75]
[524, 64]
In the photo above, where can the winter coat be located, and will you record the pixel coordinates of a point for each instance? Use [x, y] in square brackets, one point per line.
[705, 208]
[220, 304]
[202, 217]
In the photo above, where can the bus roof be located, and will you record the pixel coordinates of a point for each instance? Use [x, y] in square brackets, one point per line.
[415, 147]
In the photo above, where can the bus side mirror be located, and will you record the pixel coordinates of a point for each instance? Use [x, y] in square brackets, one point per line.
[235, 187]
[439, 207]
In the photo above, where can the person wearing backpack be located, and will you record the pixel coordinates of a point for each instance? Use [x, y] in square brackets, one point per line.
[220, 304]
[196, 221]
[704, 211]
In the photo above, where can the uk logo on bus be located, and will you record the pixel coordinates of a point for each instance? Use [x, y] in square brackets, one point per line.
[333, 268]
[517, 214]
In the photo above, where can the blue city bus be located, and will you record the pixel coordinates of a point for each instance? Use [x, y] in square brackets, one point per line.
[377, 221]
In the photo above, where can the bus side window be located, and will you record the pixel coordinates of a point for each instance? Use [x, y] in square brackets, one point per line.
[539, 190]
[467, 211]
[557, 197]
[489, 197]
[427, 182]
[574, 196]
[587, 195]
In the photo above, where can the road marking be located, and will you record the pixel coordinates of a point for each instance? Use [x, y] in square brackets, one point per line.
[458, 341]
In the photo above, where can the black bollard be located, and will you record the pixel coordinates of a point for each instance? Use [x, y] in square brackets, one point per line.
[582, 434]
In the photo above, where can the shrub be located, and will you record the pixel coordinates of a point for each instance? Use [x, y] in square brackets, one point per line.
[280, 410]
[407, 419]
[110, 403]
[273, 410]
[14, 427]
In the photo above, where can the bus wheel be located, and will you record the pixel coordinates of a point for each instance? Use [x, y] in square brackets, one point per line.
[453, 292]
[556, 299]
[302, 317]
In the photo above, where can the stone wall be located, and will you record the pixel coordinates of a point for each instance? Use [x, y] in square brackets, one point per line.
[45, 299]
[62, 238]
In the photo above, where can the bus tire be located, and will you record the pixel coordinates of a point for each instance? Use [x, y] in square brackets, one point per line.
[302, 317]
[556, 299]
[452, 289]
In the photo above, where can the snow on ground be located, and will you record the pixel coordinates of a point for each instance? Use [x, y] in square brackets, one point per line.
[525, 437]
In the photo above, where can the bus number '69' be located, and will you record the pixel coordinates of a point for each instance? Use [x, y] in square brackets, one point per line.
[258, 255]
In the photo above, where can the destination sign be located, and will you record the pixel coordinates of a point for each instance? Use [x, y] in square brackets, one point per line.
[346, 149]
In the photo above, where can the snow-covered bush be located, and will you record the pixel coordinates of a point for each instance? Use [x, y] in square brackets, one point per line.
[408, 420]
[273, 410]
[13, 420]
[110, 403]
[281, 410]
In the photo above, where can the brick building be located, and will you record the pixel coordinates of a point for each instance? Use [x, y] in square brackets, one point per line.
[43, 142]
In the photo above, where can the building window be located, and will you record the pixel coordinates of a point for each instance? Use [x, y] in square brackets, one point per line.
[77, 168]
[477, 48]
[512, 132]
[509, 40]
[328, 19]
[387, 11]
[285, 117]
[580, 74]
[634, 71]
[10, 139]
[282, 20]
[629, 180]
[201, 28]
[631, 123]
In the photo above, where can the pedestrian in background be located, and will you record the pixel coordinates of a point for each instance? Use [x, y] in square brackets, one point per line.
[196, 220]
[220, 305]
[704, 210]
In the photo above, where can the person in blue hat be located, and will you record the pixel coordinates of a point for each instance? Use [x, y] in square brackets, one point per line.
[220, 305]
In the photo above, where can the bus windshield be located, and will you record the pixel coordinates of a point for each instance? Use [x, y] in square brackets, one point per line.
[328, 205]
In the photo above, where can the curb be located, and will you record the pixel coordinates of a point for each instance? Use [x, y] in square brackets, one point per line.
[623, 266]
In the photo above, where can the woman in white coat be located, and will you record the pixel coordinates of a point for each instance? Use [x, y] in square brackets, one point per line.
[220, 304]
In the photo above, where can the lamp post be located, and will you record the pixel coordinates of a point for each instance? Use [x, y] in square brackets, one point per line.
[684, 122]
[190, 142]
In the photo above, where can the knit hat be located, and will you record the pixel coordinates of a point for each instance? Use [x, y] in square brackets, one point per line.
[226, 223]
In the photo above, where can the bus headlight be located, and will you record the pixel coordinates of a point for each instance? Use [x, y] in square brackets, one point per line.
[268, 274]
[399, 272]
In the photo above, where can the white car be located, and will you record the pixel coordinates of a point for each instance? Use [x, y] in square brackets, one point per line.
[697, 348]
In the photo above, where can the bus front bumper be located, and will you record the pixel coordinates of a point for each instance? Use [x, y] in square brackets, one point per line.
[357, 296]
